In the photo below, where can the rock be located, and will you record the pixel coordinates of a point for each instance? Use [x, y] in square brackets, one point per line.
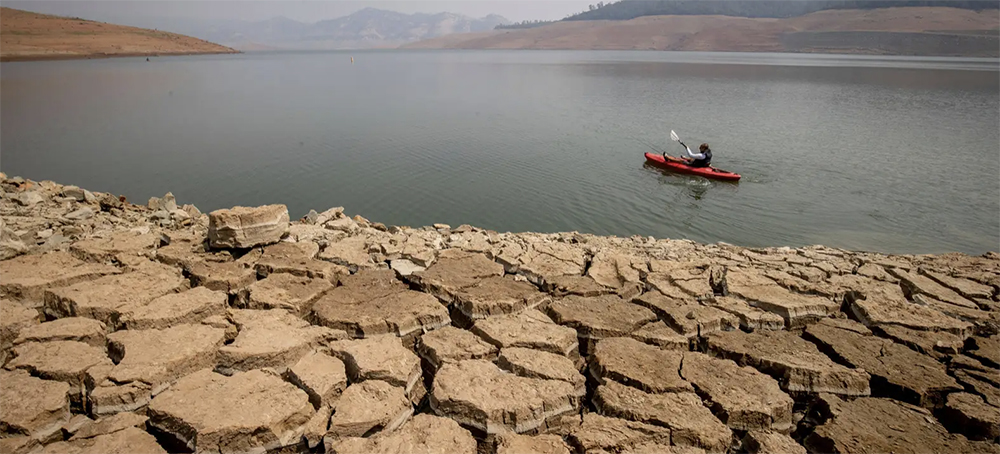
[351, 252]
[404, 267]
[346, 225]
[741, 397]
[497, 296]
[14, 318]
[379, 358]
[616, 270]
[659, 334]
[230, 277]
[19, 444]
[161, 216]
[109, 425]
[986, 350]
[173, 309]
[896, 370]
[530, 363]
[424, 434]
[32, 406]
[936, 344]
[599, 317]
[374, 302]
[213, 413]
[369, 407]
[980, 384]
[915, 284]
[192, 211]
[450, 344]
[315, 429]
[179, 215]
[148, 361]
[688, 318]
[884, 425]
[546, 261]
[242, 227]
[74, 193]
[528, 329]
[65, 361]
[598, 433]
[332, 213]
[118, 247]
[80, 214]
[289, 292]
[321, 376]
[297, 259]
[271, 338]
[576, 285]
[881, 311]
[965, 287]
[539, 444]
[758, 442]
[690, 422]
[127, 441]
[763, 293]
[28, 198]
[971, 416]
[751, 318]
[454, 270]
[639, 365]
[167, 203]
[10, 248]
[796, 363]
[478, 394]
[984, 323]
[27, 277]
[88, 331]
[107, 298]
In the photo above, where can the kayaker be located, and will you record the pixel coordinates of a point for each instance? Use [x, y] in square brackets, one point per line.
[702, 159]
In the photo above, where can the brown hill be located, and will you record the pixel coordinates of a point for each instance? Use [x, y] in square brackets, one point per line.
[30, 36]
[903, 31]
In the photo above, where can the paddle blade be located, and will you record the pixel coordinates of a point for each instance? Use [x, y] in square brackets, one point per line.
[673, 136]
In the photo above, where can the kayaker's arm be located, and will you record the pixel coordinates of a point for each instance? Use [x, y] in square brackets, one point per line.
[694, 155]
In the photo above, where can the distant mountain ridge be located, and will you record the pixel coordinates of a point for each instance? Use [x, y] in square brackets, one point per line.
[366, 28]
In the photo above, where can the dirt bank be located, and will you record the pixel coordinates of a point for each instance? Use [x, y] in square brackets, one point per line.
[30, 36]
[902, 31]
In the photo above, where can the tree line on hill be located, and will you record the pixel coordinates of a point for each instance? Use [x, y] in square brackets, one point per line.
[523, 24]
[631, 9]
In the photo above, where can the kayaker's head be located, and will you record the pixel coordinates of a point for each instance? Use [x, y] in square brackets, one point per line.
[703, 148]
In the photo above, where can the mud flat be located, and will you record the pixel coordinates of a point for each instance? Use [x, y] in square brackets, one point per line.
[155, 327]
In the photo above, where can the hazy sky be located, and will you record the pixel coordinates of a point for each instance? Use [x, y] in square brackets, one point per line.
[306, 11]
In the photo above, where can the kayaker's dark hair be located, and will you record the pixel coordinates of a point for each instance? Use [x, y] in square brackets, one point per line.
[703, 147]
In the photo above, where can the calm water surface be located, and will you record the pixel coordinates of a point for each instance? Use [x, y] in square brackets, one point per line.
[886, 154]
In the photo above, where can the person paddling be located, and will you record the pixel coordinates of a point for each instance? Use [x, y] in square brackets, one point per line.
[701, 159]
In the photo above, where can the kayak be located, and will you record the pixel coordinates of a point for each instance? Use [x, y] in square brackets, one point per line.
[707, 172]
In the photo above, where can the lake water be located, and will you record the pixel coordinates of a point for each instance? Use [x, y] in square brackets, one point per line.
[884, 154]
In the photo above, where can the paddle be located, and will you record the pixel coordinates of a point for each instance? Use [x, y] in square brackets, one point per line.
[673, 136]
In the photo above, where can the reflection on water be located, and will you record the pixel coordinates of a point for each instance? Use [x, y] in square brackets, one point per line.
[889, 154]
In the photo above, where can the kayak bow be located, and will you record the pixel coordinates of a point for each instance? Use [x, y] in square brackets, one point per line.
[707, 172]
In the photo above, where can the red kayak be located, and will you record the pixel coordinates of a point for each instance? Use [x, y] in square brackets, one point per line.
[707, 172]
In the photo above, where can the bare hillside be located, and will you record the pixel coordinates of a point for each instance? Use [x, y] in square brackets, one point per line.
[905, 31]
[30, 36]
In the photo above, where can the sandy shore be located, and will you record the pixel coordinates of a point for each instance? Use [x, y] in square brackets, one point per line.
[27, 36]
[154, 327]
